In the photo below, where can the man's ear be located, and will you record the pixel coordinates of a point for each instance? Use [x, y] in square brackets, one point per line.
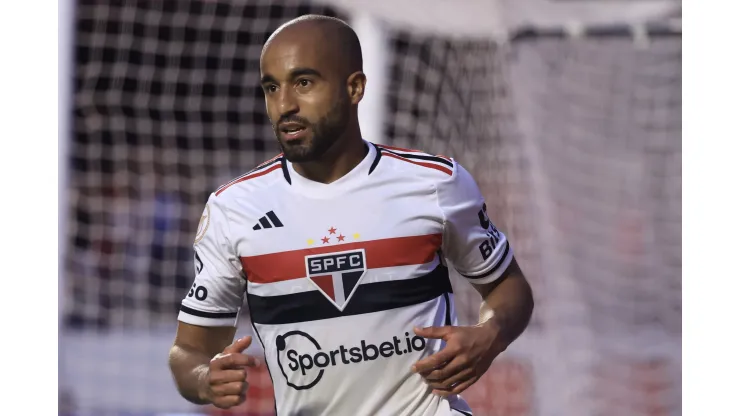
[356, 87]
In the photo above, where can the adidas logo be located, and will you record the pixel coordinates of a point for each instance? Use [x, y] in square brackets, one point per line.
[265, 221]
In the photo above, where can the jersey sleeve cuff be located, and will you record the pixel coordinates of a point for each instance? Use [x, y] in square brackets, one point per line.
[494, 272]
[203, 318]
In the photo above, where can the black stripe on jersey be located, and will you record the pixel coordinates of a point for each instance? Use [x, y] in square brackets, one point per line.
[494, 268]
[264, 166]
[420, 157]
[212, 315]
[368, 298]
[448, 316]
[284, 165]
[461, 412]
[378, 154]
[257, 169]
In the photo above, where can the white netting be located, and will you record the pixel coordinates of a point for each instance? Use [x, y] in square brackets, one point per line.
[576, 144]
[574, 141]
[167, 107]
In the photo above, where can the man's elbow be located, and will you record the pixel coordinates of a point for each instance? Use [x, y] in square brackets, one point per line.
[173, 360]
[522, 286]
[521, 299]
[526, 296]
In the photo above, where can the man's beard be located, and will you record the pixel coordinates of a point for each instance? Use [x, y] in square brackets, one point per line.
[324, 134]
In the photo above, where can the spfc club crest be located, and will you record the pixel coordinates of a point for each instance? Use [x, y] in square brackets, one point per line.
[337, 275]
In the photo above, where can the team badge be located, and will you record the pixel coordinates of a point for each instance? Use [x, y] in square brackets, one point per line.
[337, 275]
[205, 220]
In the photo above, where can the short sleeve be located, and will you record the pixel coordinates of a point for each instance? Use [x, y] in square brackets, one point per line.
[217, 293]
[471, 243]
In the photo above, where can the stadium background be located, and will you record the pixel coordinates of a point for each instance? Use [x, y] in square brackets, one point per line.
[567, 112]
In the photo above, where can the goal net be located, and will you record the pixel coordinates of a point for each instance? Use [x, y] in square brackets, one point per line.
[575, 142]
[576, 146]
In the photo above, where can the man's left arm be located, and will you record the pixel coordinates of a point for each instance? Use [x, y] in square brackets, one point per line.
[483, 255]
[469, 350]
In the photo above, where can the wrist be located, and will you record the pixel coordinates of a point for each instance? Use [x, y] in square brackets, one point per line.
[485, 314]
[492, 323]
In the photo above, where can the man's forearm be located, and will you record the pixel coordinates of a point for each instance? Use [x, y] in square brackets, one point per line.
[190, 371]
[511, 303]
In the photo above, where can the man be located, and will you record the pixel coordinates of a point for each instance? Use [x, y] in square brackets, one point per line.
[341, 246]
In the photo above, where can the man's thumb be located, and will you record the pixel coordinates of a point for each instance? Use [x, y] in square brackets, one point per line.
[239, 345]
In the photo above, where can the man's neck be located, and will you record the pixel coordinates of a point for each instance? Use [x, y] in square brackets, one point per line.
[338, 160]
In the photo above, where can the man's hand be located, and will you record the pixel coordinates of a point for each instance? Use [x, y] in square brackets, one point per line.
[227, 375]
[466, 357]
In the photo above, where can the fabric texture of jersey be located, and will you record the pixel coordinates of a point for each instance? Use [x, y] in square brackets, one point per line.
[337, 275]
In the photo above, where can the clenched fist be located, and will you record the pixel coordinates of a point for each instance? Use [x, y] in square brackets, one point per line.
[227, 375]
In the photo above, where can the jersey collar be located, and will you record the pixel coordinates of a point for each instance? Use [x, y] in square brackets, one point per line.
[346, 183]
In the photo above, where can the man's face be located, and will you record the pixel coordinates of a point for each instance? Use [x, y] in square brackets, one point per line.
[306, 98]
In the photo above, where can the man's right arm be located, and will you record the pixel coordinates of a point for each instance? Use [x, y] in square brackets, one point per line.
[190, 357]
[206, 365]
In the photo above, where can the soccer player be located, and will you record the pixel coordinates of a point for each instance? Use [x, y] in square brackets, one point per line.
[342, 248]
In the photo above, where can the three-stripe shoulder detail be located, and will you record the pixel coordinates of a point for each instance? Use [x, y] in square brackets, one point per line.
[440, 163]
[261, 170]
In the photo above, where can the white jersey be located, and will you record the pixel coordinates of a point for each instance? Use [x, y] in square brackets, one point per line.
[337, 275]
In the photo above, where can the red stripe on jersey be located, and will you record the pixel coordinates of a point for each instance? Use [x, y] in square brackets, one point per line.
[388, 252]
[261, 165]
[426, 165]
[255, 175]
[269, 161]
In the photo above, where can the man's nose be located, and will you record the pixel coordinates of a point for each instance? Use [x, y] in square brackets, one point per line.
[287, 104]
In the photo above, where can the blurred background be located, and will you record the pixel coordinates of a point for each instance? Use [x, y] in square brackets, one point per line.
[567, 112]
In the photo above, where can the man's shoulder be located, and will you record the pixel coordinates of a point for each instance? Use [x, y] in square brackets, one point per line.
[260, 177]
[414, 163]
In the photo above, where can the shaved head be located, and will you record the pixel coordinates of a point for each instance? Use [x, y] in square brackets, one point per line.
[311, 73]
[334, 34]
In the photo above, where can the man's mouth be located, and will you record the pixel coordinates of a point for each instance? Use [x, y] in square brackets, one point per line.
[292, 131]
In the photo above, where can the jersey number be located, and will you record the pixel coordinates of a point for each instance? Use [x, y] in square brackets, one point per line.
[200, 292]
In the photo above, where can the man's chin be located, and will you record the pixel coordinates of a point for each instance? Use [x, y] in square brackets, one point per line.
[296, 153]
[295, 157]
[307, 149]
